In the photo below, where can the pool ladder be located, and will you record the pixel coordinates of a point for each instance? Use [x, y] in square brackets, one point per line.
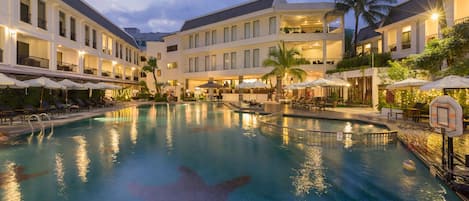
[39, 118]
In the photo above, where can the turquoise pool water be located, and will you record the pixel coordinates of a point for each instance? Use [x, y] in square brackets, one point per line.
[202, 152]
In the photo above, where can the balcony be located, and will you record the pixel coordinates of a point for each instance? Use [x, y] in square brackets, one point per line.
[33, 61]
[461, 20]
[128, 77]
[135, 78]
[118, 76]
[67, 67]
[90, 71]
[42, 23]
[106, 74]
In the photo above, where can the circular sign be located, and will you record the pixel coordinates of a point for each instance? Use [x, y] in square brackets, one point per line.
[446, 113]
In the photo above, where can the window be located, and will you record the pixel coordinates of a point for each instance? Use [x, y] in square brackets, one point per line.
[172, 48]
[25, 14]
[104, 43]
[73, 31]
[233, 60]
[226, 34]
[120, 49]
[213, 62]
[406, 37]
[117, 50]
[196, 40]
[226, 61]
[207, 38]
[126, 54]
[196, 64]
[214, 37]
[62, 24]
[172, 65]
[191, 65]
[247, 30]
[191, 38]
[271, 49]
[94, 39]
[272, 25]
[207, 63]
[256, 29]
[255, 58]
[41, 15]
[87, 35]
[247, 59]
[234, 30]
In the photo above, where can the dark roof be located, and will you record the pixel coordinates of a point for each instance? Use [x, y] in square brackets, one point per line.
[91, 13]
[227, 14]
[367, 33]
[151, 36]
[408, 9]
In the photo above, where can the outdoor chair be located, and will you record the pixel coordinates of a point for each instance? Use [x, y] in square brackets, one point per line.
[6, 113]
[61, 108]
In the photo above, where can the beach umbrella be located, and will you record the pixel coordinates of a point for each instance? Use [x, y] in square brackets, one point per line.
[109, 86]
[407, 84]
[92, 86]
[210, 85]
[8, 82]
[43, 83]
[70, 85]
[449, 82]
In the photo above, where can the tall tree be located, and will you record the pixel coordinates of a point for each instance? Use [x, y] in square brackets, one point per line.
[152, 67]
[284, 60]
[371, 11]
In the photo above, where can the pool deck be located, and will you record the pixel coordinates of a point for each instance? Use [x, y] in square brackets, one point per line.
[18, 127]
[417, 137]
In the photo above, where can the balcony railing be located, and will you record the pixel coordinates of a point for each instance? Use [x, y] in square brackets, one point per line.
[393, 48]
[62, 32]
[62, 66]
[289, 30]
[406, 45]
[90, 71]
[94, 44]
[33, 61]
[87, 41]
[127, 77]
[118, 76]
[461, 20]
[135, 78]
[320, 61]
[42, 23]
[106, 74]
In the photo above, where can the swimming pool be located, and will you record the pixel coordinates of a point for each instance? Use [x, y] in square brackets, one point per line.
[201, 152]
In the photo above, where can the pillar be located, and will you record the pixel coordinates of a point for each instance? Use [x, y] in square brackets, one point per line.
[33, 4]
[100, 67]
[81, 62]
[240, 78]
[324, 55]
[52, 56]
[375, 89]
[113, 72]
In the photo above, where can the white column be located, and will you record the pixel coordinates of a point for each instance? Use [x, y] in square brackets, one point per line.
[113, 73]
[52, 19]
[100, 67]
[10, 47]
[375, 81]
[81, 62]
[324, 24]
[399, 39]
[52, 56]
[123, 72]
[33, 4]
[324, 55]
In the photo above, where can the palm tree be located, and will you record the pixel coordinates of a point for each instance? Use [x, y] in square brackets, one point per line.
[283, 60]
[370, 10]
[152, 67]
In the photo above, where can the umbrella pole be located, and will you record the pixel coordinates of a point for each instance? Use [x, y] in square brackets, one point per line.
[42, 96]
[66, 97]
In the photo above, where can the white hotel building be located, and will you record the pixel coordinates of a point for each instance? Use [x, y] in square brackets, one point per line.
[64, 39]
[230, 45]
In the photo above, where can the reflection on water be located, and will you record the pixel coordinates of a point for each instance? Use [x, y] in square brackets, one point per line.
[310, 175]
[82, 159]
[285, 137]
[133, 126]
[169, 128]
[114, 144]
[10, 184]
[60, 173]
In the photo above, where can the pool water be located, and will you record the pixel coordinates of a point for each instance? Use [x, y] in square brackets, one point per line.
[202, 152]
[331, 125]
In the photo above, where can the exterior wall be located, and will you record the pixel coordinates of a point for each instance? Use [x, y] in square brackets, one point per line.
[326, 47]
[47, 42]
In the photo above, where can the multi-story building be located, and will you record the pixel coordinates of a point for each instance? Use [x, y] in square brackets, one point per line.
[65, 39]
[230, 45]
[411, 25]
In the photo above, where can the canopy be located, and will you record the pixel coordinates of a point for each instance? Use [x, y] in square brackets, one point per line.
[252, 85]
[449, 82]
[210, 85]
[90, 85]
[407, 83]
[109, 86]
[44, 83]
[321, 82]
[70, 85]
[339, 82]
[6, 81]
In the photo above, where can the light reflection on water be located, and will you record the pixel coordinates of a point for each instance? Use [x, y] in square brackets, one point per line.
[10, 184]
[82, 159]
[310, 175]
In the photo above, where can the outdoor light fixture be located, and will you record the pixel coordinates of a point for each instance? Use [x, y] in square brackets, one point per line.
[81, 53]
[435, 16]
[114, 63]
[133, 68]
[12, 32]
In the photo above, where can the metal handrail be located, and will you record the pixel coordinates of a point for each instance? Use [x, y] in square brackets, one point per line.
[38, 118]
[63, 66]
[462, 20]
[51, 124]
[34, 61]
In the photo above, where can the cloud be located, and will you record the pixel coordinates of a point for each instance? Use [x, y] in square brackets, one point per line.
[163, 25]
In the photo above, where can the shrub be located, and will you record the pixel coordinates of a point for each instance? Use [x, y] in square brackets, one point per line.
[381, 60]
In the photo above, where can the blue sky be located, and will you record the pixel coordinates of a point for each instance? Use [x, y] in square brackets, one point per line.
[165, 15]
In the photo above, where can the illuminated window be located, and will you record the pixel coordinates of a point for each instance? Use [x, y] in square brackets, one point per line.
[406, 37]
[172, 65]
